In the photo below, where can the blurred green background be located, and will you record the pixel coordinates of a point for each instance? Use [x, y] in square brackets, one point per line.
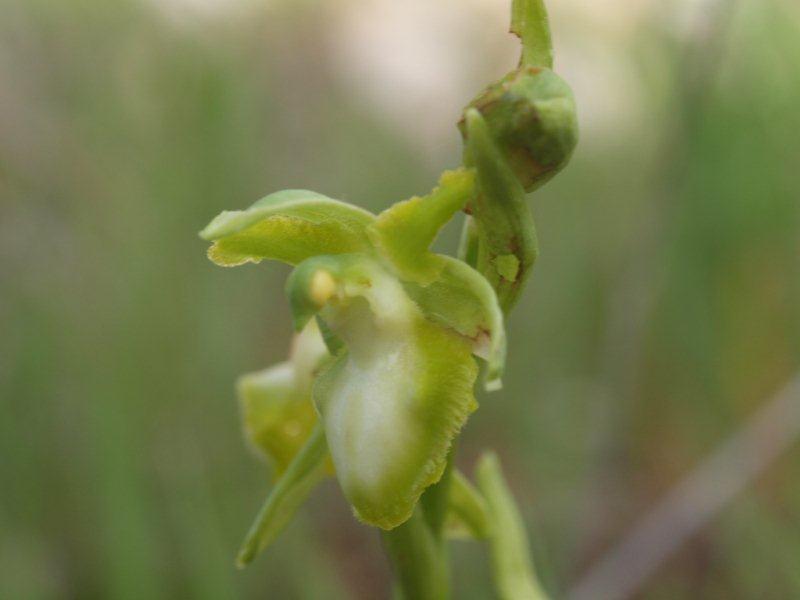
[664, 311]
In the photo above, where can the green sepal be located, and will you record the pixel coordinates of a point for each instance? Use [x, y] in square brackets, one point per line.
[291, 490]
[290, 226]
[508, 541]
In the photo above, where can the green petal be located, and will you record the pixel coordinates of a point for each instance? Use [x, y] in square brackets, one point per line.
[394, 400]
[289, 226]
[290, 491]
[463, 300]
[404, 232]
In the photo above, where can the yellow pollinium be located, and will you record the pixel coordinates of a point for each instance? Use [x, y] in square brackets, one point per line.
[323, 286]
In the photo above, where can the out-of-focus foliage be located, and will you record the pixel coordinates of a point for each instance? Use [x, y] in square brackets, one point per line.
[665, 306]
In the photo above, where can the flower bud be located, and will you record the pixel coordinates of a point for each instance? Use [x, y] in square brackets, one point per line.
[531, 116]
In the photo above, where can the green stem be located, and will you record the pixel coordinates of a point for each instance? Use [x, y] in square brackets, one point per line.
[529, 21]
[419, 559]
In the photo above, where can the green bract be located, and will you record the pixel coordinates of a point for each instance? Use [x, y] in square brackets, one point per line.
[503, 223]
[511, 562]
[401, 322]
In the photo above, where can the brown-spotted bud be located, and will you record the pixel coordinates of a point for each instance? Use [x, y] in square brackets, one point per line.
[531, 116]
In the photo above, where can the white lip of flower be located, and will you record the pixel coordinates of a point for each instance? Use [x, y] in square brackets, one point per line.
[387, 422]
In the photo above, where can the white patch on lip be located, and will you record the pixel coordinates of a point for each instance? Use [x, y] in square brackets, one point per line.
[368, 421]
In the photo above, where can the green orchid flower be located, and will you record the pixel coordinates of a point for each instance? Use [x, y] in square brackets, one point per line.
[381, 374]
[403, 326]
